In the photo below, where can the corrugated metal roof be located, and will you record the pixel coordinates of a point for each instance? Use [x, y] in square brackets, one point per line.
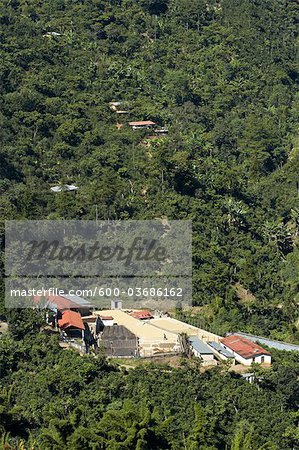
[243, 347]
[78, 300]
[223, 351]
[200, 346]
[279, 345]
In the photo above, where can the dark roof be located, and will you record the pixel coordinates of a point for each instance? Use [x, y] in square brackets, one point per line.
[117, 332]
[119, 341]
[243, 346]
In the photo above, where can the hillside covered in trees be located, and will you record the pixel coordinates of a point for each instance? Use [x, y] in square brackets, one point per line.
[54, 399]
[222, 76]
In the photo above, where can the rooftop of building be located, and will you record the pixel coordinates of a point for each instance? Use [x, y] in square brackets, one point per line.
[243, 347]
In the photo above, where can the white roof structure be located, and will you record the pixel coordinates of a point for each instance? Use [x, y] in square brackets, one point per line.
[161, 130]
[51, 33]
[64, 187]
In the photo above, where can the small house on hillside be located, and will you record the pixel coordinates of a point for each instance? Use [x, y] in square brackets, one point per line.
[245, 351]
[72, 324]
[161, 130]
[118, 342]
[118, 107]
[200, 349]
[142, 125]
[51, 34]
[249, 377]
[65, 188]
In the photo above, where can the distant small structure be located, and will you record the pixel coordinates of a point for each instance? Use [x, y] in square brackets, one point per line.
[64, 187]
[115, 106]
[161, 130]
[249, 377]
[143, 124]
[116, 304]
[52, 34]
[119, 342]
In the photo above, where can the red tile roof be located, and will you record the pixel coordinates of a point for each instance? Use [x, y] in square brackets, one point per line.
[243, 346]
[71, 319]
[142, 123]
[142, 315]
[106, 317]
[57, 301]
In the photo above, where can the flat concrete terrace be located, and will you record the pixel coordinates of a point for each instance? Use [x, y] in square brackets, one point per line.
[141, 328]
[176, 326]
[152, 340]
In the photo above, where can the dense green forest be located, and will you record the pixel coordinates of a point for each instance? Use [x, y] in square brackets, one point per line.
[56, 399]
[222, 76]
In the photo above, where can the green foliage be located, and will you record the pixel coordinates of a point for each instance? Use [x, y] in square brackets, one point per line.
[223, 77]
[53, 398]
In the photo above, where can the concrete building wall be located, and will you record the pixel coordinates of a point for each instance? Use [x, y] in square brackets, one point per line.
[257, 359]
[108, 323]
[202, 356]
[263, 359]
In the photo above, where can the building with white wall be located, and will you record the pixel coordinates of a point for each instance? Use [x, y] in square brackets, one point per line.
[200, 349]
[246, 352]
[108, 321]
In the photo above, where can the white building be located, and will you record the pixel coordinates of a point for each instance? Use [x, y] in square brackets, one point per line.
[245, 351]
[200, 349]
[108, 321]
